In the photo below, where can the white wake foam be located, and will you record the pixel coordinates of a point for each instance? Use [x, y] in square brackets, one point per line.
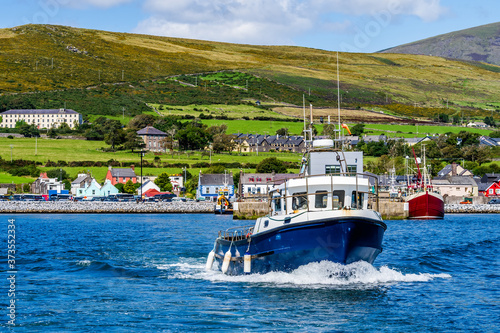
[324, 273]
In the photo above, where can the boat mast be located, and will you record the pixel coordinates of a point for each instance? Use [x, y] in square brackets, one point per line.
[338, 99]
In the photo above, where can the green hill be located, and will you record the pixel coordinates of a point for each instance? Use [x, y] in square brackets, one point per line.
[475, 44]
[99, 69]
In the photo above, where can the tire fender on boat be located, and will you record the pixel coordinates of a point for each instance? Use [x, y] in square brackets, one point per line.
[225, 263]
[210, 260]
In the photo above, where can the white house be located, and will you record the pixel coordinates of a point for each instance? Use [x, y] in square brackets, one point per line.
[47, 118]
[89, 190]
[147, 185]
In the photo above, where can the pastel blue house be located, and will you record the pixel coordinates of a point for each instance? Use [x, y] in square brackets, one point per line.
[209, 186]
[108, 189]
[89, 190]
[95, 190]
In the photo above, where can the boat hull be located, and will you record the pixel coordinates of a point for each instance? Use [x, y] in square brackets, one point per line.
[426, 206]
[342, 241]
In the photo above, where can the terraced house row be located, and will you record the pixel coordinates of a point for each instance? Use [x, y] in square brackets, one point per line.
[43, 118]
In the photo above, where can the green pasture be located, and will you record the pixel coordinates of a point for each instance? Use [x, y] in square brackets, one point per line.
[259, 126]
[419, 130]
[232, 111]
[7, 178]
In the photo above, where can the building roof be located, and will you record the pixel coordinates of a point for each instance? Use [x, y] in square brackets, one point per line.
[123, 172]
[41, 111]
[216, 179]
[256, 178]
[80, 179]
[150, 130]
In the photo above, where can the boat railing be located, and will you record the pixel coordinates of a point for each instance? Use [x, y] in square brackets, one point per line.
[304, 202]
[236, 233]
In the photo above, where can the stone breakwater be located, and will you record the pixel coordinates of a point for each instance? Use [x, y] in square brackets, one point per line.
[477, 209]
[104, 207]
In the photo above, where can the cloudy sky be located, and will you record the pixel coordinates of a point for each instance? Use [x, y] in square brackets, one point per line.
[353, 25]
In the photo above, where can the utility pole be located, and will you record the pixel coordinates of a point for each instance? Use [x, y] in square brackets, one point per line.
[123, 110]
[11, 146]
[141, 154]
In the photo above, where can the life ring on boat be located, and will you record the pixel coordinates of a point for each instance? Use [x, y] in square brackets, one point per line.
[248, 235]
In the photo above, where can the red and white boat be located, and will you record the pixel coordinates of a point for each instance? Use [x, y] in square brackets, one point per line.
[424, 202]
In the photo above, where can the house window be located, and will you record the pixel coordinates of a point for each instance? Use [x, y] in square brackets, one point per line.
[458, 188]
[490, 191]
[116, 179]
[93, 192]
[207, 190]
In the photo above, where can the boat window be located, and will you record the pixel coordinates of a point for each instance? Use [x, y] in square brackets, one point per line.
[335, 169]
[321, 199]
[266, 223]
[277, 204]
[357, 203]
[338, 199]
[299, 201]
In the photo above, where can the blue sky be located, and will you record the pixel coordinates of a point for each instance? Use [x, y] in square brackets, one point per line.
[336, 25]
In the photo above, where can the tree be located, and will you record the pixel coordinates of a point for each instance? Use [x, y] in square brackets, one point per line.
[132, 141]
[115, 137]
[141, 121]
[51, 133]
[60, 174]
[358, 129]
[329, 130]
[29, 130]
[223, 142]
[129, 187]
[271, 164]
[377, 148]
[495, 134]
[163, 182]
[217, 129]
[490, 121]
[193, 137]
[282, 131]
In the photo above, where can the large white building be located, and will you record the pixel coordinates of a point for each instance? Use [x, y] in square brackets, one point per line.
[51, 118]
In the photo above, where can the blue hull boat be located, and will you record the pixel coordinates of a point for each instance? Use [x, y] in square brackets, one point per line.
[313, 217]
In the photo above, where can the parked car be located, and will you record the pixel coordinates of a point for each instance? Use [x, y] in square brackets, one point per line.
[164, 197]
[494, 202]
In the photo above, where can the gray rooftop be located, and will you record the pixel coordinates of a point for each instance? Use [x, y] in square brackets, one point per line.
[123, 172]
[216, 179]
[41, 111]
[150, 130]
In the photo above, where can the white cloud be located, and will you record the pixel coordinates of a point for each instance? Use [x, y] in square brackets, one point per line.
[94, 3]
[270, 22]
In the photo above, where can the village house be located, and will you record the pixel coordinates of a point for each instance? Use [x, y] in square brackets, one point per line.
[456, 186]
[94, 189]
[152, 138]
[454, 169]
[490, 185]
[47, 118]
[146, 186]
[210, 184]
[81, 181]
[121, 175]
[43, 184]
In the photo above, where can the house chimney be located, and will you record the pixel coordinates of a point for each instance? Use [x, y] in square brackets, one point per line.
[132, 167]
[453, 169]
[109, 167]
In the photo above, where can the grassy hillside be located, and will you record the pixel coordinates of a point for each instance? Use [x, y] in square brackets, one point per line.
[474, 44]
[36, 58]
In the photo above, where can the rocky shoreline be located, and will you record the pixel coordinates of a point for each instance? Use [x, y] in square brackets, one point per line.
[44, 207]
[472, 209]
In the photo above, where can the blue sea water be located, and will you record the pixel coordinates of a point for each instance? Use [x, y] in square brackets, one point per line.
[135, 273]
